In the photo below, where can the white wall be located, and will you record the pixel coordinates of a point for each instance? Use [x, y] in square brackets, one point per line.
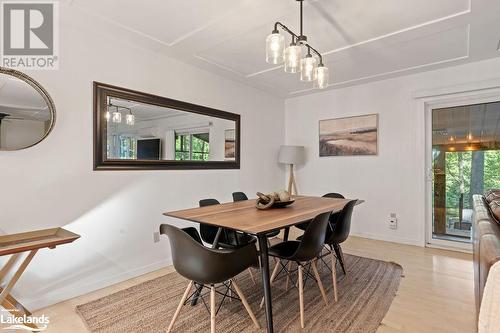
[116, 213]
[20, 133]
[393, 181]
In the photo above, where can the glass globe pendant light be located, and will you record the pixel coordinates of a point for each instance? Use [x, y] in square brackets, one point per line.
[293, 53]
[322, 77]
[116, 116]
[308, 67]
[130, 119]
[275, 45]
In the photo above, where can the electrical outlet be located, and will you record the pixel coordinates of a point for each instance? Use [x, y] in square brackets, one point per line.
[156, 237]
[393, 221]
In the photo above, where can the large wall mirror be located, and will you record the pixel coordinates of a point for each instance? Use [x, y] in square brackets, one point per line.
[27, 113]
[134, 130]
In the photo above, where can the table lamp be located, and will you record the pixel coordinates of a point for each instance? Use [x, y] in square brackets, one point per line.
[292, 155]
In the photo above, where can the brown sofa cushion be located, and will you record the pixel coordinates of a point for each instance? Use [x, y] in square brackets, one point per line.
[495, 210]
[492, 195]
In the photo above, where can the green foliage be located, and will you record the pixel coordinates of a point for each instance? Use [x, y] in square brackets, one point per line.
[193, 147]
[491, 175]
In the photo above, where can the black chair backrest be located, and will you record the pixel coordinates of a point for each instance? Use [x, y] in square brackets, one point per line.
[239, 196]
[313, 239]
[208, 232]
[209, 202]
[335, 216]
[342, 226]
[204, 265]
[334, 195]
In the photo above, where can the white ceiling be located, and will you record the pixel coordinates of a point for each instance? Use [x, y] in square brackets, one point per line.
[481, 122]
[21, 101]
[361, 40]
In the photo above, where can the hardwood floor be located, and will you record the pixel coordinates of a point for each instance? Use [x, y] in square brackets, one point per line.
[436, 294]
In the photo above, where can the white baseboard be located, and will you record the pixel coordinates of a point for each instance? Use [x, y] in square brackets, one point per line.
[392, 239]
[64, 294]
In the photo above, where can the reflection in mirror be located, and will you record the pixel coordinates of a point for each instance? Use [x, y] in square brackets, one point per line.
[26, 116]
[140, 131]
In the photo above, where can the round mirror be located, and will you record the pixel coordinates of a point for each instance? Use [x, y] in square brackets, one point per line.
[27, 113]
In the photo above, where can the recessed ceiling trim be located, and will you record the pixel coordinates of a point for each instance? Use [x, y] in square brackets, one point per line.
[378, 38]
[121, 26]
[384, 74]
[218, 65]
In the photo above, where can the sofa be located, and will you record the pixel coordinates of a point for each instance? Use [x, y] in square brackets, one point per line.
[485, 238]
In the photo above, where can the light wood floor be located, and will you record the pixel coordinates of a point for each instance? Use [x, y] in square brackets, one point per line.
[436, 294]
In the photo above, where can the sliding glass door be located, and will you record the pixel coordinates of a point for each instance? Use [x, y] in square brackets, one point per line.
[465, 161]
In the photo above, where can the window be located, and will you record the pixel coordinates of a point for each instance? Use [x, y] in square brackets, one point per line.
[192, 146]
[128, 147]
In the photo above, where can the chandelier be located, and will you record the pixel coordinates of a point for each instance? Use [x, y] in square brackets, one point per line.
[311, 69]
[116, 115]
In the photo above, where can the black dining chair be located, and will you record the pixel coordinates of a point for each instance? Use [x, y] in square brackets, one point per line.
[333, 217]
[240, 196]
[212, 267]
[337, 235]
[304, 253]
[228, 238]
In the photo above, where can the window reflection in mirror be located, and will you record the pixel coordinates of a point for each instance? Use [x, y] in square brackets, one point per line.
[139, 131]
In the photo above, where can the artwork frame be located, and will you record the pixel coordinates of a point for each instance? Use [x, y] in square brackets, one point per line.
[349, 136]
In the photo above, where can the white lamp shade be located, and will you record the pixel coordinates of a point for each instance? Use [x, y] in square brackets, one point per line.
[292, 155]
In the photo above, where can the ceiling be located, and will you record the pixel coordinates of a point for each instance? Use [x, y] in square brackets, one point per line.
[144, 112]
[478, 123]
[361, 40]
[20, 101]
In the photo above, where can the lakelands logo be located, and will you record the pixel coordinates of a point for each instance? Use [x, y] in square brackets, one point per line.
[30, 36]
[24, 323]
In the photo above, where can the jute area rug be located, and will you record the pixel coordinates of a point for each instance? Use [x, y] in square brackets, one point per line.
[365, 294]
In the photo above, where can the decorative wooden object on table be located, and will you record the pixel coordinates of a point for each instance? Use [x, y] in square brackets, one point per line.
[242, 216]
[15, 245]
[273, 200]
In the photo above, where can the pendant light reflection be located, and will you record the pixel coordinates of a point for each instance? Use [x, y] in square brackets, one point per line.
[116, 117]
[308, 68]
[275, 45]
[130, 119]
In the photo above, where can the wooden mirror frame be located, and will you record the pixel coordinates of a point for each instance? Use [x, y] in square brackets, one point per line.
[103, 91]
[45, 95]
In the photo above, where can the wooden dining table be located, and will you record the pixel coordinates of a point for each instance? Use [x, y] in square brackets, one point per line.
[242, 216]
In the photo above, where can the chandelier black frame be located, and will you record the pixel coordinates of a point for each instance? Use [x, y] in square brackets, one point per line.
[315, 72]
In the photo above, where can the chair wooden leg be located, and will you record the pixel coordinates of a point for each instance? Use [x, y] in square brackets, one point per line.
[179, 307]
[288, 275]
[245, 304]
[251, 276]
[212, 309]
[334, 275]
[273, 276]
[301, 297]
[318, 280]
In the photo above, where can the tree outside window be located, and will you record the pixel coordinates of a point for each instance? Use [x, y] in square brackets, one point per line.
[192, 146]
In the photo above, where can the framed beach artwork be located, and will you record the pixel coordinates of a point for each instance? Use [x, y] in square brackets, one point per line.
[229, 144]
[349, 136]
